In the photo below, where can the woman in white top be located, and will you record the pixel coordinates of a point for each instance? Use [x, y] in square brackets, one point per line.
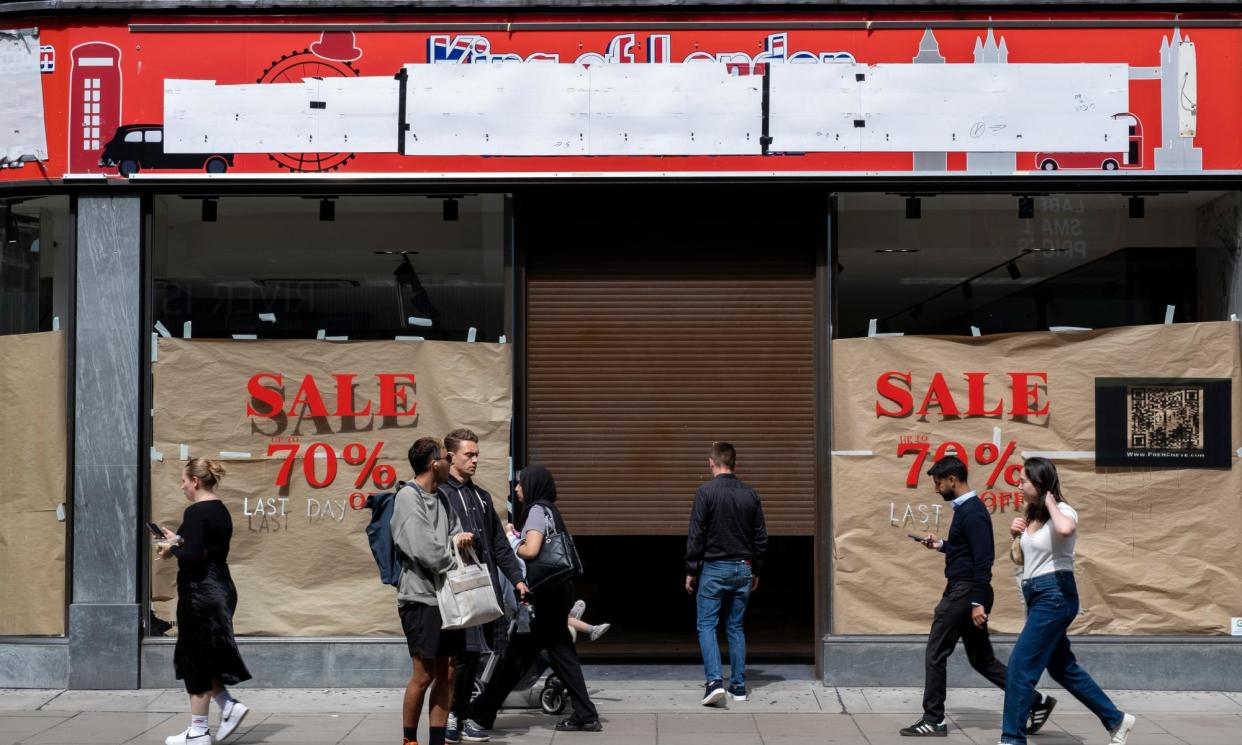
[1049, 530]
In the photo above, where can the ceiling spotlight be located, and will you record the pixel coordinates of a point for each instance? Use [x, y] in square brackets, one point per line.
[327, 210]
[210, 209]
[914, 208]
[1014, 272]
[450, 210]
[967, 291]
[1026, 208]
[1137, 208]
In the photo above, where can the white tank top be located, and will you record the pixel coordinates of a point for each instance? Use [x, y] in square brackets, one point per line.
[1045, 552]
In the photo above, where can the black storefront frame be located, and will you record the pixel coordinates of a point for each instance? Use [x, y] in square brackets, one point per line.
[68, 327]
[835, 652]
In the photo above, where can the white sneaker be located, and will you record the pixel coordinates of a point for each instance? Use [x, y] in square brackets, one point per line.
[185, 738]
[1122, 733]
[599, 630]
[231, 719]
[579, 609]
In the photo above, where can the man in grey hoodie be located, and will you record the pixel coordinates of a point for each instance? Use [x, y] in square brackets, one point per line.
[423, 528]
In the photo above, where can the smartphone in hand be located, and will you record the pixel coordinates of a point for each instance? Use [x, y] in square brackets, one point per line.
[156, 532]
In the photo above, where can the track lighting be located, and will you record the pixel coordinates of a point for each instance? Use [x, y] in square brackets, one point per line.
[1014, 271]
[210, 209]
[1138, 208]
[914, 208]
[1026, 208]
[450, 210]
[327, 210]
[967, 291]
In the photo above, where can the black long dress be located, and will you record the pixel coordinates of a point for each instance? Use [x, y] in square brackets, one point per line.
[206, 599]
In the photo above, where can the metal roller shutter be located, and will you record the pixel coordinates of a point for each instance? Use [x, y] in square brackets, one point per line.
[648, 340]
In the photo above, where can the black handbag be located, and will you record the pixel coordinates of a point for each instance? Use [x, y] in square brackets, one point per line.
[557, 562]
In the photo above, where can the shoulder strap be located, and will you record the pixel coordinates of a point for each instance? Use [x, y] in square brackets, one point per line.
[557, 522]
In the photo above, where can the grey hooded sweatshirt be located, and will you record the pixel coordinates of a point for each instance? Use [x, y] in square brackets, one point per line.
[423, 528]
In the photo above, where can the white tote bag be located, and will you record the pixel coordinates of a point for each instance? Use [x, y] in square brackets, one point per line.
[466, 596]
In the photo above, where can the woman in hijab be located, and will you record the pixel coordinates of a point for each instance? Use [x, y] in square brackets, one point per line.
[536, 491]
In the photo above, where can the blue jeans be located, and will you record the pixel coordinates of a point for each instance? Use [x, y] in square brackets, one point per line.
[724, 586]
[1051, 604]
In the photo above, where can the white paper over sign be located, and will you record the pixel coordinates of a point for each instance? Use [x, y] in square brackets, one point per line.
[22, 136]
[949, 108]
[357, 115]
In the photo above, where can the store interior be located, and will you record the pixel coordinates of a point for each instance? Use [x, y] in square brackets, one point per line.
[916, 264]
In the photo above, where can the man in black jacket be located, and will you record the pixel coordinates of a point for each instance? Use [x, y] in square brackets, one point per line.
[474, 508]
[963, 610]
[724, 553]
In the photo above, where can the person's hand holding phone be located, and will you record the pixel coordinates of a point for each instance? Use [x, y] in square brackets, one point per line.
[165, 540]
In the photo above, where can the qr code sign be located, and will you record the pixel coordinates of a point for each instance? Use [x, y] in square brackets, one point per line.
[1165, 417]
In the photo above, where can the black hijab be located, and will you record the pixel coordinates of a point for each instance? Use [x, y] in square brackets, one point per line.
[538, 487]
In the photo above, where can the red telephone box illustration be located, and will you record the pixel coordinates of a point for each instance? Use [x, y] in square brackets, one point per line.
[1130, 159]
[94, 102]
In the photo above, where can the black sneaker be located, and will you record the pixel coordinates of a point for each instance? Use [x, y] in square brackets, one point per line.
[1041, 712]
[452, 730]
[738, 693]
[924, 728]
[569, 725]
[714, 693]
[472, 732]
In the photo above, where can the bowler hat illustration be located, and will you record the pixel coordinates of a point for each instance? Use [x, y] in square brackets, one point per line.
[337, 46]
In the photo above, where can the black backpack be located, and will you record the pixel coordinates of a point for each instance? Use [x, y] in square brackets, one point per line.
[379, 535]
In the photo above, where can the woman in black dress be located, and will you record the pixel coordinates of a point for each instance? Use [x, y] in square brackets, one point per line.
[206, 656]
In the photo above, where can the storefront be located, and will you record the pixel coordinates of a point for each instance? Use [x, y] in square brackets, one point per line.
[298, 242]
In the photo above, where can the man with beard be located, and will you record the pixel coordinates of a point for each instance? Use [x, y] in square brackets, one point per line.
[963, 610]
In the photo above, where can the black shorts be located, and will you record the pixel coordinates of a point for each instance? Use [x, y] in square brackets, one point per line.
[423, 635]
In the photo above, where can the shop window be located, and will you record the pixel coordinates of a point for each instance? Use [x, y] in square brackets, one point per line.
[1132, 404]
[356, 267]
[315, 340]
[34, 287]
[942, 264]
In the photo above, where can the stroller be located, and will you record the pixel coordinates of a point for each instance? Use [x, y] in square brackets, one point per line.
[538, 687]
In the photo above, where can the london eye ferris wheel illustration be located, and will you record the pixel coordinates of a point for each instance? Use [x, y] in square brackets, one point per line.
[332, 56]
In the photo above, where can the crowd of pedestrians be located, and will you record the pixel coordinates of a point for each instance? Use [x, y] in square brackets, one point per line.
[518, 606]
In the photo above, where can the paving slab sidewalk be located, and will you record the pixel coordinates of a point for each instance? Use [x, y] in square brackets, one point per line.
[635, 711]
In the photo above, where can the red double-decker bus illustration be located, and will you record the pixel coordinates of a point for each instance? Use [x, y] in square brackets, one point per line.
[94, 102]
[1130, 159]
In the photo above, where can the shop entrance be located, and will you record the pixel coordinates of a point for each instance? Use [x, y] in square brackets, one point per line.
[657, 321]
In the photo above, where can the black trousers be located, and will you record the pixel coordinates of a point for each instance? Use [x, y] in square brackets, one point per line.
[950, 623]
[467, 669]
[548, 632]
[468, 664]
